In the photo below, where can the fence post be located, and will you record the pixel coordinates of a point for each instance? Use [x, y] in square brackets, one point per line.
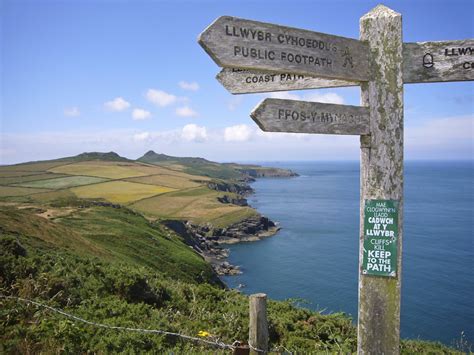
[258, 325]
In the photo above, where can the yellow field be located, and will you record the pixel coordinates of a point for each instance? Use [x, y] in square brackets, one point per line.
[14, 173]
[7, 191]
[120, 191]
[112, 171]
[198, 205]
[173, 181]
[175, 170]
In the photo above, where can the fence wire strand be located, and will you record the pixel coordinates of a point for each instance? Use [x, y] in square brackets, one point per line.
[218, 344]
[139, 330]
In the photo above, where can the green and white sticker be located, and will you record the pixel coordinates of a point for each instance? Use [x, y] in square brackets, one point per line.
[380, 238]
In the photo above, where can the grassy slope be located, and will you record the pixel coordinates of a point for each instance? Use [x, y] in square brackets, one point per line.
[113, 235]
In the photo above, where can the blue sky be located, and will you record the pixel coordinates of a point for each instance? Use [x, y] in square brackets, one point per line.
[129, 76]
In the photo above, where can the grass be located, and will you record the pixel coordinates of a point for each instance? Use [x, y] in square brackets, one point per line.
[119, 191]
[115, 235]
[63, 182]
[35, 229]
[50, 196]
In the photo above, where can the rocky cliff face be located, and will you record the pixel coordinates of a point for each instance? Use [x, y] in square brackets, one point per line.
[236, 188]
[207, 240]
[239, 201]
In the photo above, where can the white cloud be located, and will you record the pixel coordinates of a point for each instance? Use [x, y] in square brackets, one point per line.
[143, 136]
[191, 86]
[186, 111]
[194, 133]
[238, 133]
[330, 97]
[118, 104]
[285, 95]
[72, 111]
[160, 98]
[140, 114]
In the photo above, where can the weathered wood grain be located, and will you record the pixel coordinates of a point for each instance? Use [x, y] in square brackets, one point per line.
[382, 175]
[438, 61]
[243, 81]
[276, 115]
[238, 43]
[258, 325]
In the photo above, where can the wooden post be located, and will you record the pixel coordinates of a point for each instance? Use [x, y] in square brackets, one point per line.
[382, 176]
[258, 326]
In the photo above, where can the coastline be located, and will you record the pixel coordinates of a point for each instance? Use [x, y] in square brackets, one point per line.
[209, 241]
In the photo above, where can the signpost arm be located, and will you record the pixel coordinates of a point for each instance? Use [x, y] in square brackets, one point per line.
[382, 174]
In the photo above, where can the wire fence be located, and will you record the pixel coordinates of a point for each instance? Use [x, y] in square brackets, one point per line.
[215, 343]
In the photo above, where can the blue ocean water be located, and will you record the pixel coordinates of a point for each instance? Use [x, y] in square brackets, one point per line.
[315, 255]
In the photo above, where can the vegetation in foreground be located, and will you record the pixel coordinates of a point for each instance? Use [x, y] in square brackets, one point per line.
[111, 266]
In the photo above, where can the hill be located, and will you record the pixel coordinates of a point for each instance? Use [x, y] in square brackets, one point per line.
[202, 208]
[200, 166]
[108, 177]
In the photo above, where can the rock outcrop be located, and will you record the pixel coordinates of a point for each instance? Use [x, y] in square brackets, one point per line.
[207, 240]
[239, 201]
[236, 188]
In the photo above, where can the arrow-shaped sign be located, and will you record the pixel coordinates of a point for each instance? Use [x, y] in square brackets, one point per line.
[276, 115]
[237, 43]
[243, 81]
[438, 61]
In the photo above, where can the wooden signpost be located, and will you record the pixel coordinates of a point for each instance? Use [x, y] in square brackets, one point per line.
[274, 58]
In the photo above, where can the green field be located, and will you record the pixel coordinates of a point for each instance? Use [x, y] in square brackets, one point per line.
[119, 191]
[5, 180]
[62, 182]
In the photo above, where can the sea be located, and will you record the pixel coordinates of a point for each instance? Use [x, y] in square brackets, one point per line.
[313, 260]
